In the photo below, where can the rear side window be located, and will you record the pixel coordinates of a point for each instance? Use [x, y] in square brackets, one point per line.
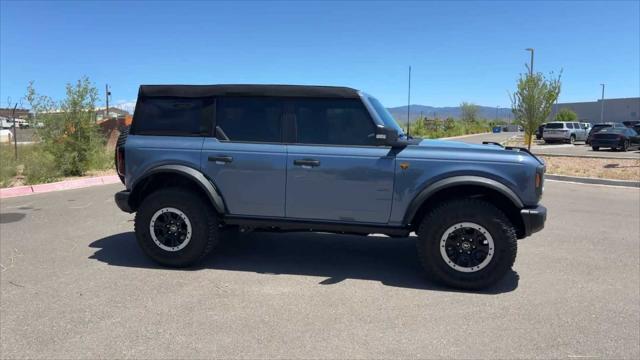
[569, 125]
[333, 122]
[250, 119]
[170, 116]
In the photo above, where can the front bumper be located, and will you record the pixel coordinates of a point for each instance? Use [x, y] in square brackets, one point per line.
[122, 200]
[613, 143]
[533, 219]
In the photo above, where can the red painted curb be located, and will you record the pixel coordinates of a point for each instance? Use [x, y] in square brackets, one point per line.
[57, 186]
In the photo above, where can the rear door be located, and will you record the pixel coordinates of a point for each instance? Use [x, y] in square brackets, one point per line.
[335, 172]
[581, 133]
[245, 157]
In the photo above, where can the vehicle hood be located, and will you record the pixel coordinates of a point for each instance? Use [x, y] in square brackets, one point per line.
[456, 150]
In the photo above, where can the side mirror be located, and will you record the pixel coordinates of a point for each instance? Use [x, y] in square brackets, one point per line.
[388, 137]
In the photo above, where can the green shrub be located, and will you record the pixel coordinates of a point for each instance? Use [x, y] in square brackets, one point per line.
[7, 165]
[39, 166]
[70, 134]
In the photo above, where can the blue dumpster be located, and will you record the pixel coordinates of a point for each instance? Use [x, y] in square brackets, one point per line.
[497, 129]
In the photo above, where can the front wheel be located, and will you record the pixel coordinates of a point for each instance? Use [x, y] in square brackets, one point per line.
[467, 243]
[175, 228]
[572, 139]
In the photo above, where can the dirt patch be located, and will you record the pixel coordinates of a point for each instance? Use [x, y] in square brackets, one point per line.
[617, 169]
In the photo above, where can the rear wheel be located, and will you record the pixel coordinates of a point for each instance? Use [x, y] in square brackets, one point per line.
[467, 243]
[625, 146]
[175, 228]
[595, 148]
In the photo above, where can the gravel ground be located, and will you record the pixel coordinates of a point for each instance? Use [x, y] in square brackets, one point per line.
[618, 169]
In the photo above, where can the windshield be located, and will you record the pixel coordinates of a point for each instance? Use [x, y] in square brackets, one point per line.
[554, 126]
[385, 116]
[612, 130]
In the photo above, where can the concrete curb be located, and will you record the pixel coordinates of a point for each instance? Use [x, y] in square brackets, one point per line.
[587, 156]
[58, 186]
[461, 136]
[594, 181]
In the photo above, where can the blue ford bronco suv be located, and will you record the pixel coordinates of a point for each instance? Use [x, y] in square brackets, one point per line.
[202, 161]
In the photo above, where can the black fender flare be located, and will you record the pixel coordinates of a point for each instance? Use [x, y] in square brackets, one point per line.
[452, 181]
[195, 175]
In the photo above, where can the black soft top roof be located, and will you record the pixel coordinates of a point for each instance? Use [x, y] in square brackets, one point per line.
[248, 90]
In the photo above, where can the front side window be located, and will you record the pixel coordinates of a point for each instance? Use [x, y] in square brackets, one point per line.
[333, 122]
[250, 119]
[170, 116]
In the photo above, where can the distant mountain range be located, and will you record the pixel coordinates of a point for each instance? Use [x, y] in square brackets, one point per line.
[486, 112]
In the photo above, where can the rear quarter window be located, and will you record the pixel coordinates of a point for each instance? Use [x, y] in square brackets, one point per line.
[170, 116]
[554, 126]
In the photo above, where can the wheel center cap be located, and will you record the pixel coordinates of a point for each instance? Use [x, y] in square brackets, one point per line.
[173, 228]
[465, 246]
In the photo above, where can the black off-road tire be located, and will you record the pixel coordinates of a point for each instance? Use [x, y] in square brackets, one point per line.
[436, 222]
[595, 148]
[203, 221]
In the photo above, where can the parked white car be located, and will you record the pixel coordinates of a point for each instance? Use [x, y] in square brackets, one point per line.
[6, 123]
[560, 131]
[6, 136]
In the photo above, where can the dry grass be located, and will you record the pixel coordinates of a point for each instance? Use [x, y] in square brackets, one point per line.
[618, 169]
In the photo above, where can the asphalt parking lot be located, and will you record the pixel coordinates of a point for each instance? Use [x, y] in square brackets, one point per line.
[75, 285]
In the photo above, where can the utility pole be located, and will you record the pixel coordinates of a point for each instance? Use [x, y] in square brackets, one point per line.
[15, 131]
[107, 93]
[497, 109]
[409, 102]
[531, 63]
[602, 105]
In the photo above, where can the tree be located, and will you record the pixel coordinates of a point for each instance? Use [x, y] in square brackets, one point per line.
[532, 102]
[418, 128]
[566, 114]
[449, 124]
[469, 112]
[70, 133]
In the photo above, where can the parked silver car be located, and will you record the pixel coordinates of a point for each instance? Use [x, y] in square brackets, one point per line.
[560, 131]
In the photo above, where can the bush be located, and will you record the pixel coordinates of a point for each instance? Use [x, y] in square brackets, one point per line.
[70, 135]
[39, 165]
[7, 165]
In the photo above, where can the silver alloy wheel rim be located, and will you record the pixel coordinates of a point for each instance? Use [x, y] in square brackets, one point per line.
[467, 225]
[154, 236]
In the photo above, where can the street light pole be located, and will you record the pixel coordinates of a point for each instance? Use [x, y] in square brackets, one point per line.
[409, 103]
[531, 63]
[602, 105]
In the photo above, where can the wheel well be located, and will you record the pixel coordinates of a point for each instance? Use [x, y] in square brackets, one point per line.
[502, 202]
[162, 180]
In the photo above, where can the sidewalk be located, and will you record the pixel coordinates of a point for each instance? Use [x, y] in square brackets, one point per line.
[57, 186]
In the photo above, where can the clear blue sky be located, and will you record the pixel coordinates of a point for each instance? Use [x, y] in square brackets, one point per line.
[460, 51]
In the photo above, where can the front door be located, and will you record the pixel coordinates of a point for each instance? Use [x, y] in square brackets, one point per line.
[246, 159]
[334, 170]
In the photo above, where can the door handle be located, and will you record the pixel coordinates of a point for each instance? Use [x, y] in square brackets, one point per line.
[306, 162]
[221, 159]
